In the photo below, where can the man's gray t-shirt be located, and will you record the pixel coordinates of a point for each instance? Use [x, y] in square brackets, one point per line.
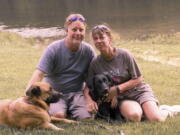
[66, 70]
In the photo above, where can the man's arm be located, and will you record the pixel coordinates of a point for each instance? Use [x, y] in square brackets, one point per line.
[91, 104]
[36, 77]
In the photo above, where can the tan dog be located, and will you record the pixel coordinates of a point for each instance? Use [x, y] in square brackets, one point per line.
[32, 109]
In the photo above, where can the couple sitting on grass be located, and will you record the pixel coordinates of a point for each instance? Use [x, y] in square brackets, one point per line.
[67, 63]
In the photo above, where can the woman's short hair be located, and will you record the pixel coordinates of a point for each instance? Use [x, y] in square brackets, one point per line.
[101, 29]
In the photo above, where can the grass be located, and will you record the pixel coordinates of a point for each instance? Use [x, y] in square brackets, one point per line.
[159, 48]
[18, 58]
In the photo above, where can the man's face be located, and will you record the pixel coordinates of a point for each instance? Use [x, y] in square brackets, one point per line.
[76, 32]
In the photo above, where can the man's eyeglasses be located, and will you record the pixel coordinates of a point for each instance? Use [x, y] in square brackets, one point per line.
[100, 27]
[75, 18]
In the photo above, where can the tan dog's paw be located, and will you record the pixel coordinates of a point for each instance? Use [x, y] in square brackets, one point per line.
[51, 126]
[70, 121]
[56, 119]
[59, 129]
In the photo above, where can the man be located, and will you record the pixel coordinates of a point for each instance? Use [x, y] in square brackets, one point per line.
[64, 65]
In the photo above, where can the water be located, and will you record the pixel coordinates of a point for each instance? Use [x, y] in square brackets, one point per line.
[130, 18]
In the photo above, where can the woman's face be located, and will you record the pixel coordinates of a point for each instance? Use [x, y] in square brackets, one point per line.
[101, 41]
[76, 32]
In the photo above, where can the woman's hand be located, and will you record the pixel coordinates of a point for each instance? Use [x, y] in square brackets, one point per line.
[92, 106]
[112, 93]
[114, 102]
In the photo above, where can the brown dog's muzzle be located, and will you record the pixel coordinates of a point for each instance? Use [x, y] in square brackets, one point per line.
[54, 97]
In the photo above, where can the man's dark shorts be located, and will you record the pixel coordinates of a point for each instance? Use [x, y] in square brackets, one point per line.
[73, 103]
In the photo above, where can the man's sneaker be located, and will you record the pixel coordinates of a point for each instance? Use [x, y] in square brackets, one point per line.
[173, 110]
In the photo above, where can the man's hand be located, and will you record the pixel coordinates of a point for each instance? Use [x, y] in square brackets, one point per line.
[92, 106]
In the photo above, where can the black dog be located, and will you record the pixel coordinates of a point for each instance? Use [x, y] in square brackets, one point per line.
[99, 86]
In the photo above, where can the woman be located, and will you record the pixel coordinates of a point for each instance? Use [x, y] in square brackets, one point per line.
[121, 65]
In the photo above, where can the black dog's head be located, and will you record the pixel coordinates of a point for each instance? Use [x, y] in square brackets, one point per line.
[43, 91]
[99, 86]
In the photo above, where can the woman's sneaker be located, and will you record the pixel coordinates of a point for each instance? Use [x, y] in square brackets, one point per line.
[173, 110]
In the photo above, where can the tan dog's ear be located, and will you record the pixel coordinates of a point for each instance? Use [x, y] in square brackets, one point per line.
[33, 91]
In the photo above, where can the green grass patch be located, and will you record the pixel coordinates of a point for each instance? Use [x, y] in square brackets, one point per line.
[18, 59]
[164, 49]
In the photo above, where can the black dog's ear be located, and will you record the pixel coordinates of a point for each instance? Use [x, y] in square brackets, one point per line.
[89, 83]
[92, 92]
[33, 91]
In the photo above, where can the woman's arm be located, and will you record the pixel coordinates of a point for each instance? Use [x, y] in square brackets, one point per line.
[118, 89]
[129, 84]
